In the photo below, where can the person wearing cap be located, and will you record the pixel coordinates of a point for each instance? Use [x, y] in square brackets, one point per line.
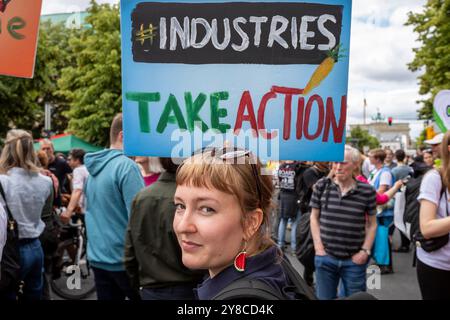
[435, 144]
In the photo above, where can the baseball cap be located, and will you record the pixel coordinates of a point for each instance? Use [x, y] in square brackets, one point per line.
[437, 139]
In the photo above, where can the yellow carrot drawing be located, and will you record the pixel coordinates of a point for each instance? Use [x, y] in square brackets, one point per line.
[323, 70]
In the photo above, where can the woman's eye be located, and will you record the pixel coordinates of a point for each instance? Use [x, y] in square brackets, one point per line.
[179, 206]
[207, 210]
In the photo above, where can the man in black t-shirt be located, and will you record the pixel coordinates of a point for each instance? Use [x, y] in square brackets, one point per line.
[288, 174]
[58, 166]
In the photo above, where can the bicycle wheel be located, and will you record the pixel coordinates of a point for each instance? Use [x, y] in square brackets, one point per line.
[75, 283]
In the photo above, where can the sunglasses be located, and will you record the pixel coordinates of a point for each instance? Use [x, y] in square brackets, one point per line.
[231, 155]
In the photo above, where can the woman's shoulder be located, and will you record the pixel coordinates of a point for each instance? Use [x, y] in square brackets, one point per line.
[432, 177]
[42, 179]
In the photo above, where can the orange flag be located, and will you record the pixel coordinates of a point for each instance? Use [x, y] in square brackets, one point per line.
[19, 27]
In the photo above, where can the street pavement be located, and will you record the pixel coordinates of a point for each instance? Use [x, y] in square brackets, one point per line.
[401, 285]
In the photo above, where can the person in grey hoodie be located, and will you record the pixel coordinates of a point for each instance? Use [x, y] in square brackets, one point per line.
[113, 183]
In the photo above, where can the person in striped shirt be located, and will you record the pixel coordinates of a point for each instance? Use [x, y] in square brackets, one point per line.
[343, 226]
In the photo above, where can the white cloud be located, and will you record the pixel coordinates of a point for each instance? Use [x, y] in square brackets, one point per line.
[381, 48]
[65, 6]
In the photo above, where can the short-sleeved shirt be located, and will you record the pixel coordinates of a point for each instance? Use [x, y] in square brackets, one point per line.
[80, 175]
[385, 177]
[392, 165]
[430, 189]
[287, 173]
[343, 217]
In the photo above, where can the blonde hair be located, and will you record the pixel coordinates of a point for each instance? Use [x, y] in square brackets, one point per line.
[18, 152]
[253, 190]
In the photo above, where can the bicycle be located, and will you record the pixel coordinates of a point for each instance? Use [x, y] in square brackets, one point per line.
[75, 279]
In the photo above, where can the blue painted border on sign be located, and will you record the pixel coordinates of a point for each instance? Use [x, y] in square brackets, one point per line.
[179, 78]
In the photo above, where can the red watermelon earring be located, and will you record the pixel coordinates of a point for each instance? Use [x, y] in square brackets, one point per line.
[239, 261]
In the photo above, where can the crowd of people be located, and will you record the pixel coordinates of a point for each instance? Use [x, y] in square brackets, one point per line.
[209, 228]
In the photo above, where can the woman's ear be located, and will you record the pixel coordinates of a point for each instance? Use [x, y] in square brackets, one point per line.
[253, 221]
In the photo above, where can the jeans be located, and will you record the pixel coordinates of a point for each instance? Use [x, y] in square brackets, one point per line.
[113, 285]
[169, 293]
[31, 268]
[330, 270]
[282, 231]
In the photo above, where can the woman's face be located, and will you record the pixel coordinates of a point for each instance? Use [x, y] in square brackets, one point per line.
[428, 159]
[208, 226]
[389, 156]
[142, 160]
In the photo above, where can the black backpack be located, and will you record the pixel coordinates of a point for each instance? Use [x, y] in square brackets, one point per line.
[255, 289]
[10, 260]
[305, 244]
[412, 206]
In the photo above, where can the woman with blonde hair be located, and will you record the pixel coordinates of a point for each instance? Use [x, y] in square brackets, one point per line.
[433, 262]
[26, 192]
[222, 221]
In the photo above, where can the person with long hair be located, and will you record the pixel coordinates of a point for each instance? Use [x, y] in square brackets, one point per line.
[221, 220]
[433, 268]
[26, 191]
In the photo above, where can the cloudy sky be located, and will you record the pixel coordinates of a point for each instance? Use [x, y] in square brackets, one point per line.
[381, 46]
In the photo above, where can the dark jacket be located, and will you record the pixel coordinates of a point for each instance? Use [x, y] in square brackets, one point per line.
[265, 267]
[152, 253]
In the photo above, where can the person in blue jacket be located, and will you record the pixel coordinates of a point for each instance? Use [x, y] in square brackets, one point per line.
[113, 183]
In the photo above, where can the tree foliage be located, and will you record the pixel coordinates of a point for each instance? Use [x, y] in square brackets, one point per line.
[361, 138]
[433, 57]
[22, 100]
[93, 84]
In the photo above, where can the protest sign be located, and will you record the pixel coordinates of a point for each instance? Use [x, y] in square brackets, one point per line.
[268, 76]
[441, 110]
[19, 27]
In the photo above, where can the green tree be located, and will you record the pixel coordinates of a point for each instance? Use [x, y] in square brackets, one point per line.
[22, 100]
[433, 57]
[93, 84]
[361, 138]
[421, 138]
